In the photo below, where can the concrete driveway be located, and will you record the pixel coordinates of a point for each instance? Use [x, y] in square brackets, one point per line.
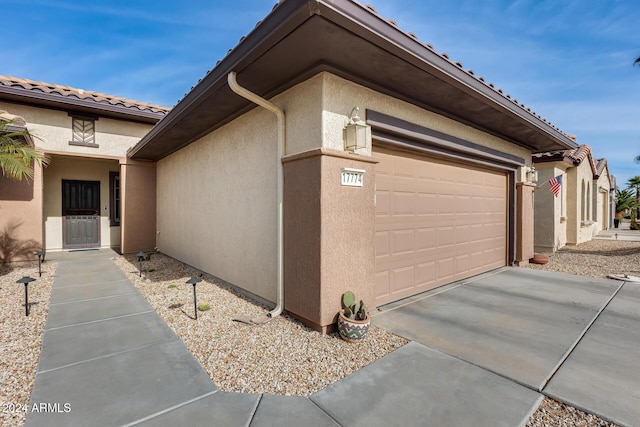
[572, 338]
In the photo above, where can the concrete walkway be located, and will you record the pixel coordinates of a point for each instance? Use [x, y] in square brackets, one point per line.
[623, 232]
[109, 360]
[571, 338]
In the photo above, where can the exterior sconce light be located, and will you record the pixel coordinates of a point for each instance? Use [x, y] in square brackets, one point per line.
[194, 280]
[532, 174]
[39, 255]
[141, 256]
[26, 280]
[354, 132]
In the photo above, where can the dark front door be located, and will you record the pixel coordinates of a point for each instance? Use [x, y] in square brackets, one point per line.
[81, 214]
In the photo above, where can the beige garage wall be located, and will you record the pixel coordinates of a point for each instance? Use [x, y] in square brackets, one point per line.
[340, 96]
[217, 205]
[76, 168]
[52, 131]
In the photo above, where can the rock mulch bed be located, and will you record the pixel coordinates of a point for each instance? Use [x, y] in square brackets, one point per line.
[280, 357]
[21, 336]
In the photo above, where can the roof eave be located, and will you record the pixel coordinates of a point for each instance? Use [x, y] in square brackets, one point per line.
[20, 95]
[362, 23]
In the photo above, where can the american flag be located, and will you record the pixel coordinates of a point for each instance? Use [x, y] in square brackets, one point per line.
[555, 184]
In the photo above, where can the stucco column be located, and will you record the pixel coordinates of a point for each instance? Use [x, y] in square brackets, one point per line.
[21, 224]
[524, 228]
[138, 209]
[329, 234]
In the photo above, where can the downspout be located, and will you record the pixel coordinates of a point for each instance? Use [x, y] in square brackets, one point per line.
[233, 84]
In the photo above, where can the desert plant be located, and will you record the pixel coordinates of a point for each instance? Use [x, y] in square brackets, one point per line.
[353, 310]
[204, 306]
[16, 154]
[172, 286]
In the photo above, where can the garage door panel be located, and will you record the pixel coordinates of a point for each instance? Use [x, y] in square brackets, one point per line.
[436, 222]
[402, 241]
[426, 238]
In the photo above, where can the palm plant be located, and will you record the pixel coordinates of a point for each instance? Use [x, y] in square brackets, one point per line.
[625, 200]
[634, 183]
[16, 154]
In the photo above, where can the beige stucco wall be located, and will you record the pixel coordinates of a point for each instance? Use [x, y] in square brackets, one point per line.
[329, 238]
[20, 217]
[581, 226]
[216, 198]
[340, 96]
[217, 203]
[601, 190]
[551, 212]
[138, 209]
[76, 168]
[52, 131]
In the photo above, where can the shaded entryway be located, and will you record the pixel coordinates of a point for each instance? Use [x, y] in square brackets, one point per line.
[571, 337]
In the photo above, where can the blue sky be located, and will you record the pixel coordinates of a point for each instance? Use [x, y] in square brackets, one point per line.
[570, 61]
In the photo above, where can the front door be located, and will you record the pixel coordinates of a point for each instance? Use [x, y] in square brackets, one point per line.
[80, 214]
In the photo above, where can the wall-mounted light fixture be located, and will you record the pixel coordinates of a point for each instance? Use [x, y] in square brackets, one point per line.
[355, 133]
[532, 174]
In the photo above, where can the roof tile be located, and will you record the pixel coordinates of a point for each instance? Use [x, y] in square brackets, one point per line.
[70, 92]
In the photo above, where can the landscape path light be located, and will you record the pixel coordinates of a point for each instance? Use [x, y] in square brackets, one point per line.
[194, 280]
[26, 280]
[39, 255]
[141, 256]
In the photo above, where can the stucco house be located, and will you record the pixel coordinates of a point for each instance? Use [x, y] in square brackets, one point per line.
[585, 203]
[78, 200]
[257, 183]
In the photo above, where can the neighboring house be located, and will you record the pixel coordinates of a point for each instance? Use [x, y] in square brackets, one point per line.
[584, 205]
[78, 200]
[437, 193]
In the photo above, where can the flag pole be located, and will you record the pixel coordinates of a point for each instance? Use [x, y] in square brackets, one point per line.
[541, 185]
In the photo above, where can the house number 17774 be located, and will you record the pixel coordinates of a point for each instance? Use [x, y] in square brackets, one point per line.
[352, 177]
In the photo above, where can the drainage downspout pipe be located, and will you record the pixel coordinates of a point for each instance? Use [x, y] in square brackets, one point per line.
[233, 84]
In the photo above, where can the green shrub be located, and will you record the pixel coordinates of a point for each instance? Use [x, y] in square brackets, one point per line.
[171, 286]
[204, 306]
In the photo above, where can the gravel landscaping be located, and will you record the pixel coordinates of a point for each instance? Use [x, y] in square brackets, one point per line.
[21, 336]
[281, 357]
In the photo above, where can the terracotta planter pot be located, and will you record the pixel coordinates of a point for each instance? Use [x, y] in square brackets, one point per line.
[539, 259]
[353, 330]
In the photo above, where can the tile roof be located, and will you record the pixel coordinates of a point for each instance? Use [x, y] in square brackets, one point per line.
[67, 92]
[371, 9]
[574, 157]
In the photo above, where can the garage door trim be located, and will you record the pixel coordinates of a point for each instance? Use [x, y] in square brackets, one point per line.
[400, 134]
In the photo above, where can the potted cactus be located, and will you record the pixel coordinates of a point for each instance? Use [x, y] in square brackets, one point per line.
[353, 319]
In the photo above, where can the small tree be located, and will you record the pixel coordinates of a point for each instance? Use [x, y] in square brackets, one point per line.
[16, 155]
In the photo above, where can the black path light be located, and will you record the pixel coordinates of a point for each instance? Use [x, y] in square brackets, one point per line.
[194, 280]
[141, 256]
[26, 280]
[39, 255]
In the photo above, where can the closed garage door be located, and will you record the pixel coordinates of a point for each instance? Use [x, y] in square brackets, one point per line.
[436, 222]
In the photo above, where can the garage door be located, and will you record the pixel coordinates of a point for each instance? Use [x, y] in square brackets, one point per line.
[436, 222]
